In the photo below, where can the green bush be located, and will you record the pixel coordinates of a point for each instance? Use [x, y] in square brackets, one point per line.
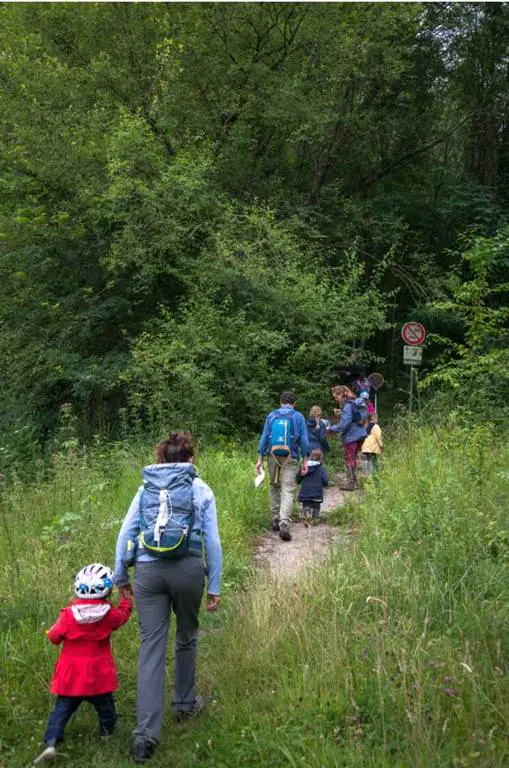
[475, 371]
[262, 316]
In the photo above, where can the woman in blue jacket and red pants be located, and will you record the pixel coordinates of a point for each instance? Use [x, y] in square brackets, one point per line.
[351, 427]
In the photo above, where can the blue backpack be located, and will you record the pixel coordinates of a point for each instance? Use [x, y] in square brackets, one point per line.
[281, 434]
[166, 512]
[359, 412]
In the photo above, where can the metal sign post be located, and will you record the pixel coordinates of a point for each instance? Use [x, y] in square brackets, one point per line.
[377, 381]
[412, 356]
[411, 393]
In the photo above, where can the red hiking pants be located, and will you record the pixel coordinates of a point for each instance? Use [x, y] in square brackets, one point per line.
[350, 451]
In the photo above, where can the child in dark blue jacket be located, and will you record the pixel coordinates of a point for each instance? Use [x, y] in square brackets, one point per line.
[312, 485]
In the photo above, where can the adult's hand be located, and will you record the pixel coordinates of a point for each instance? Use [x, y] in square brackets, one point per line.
[304, 468]
[213, 603]
[259, 466]
[126, 591]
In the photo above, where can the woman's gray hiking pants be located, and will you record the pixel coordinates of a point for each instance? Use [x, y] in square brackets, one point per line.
[160, 587]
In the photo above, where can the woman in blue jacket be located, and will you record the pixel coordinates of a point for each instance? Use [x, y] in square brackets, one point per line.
[172, 497]
[352, 428]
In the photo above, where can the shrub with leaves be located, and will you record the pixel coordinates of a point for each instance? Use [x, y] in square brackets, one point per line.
[476, 370]
[263, 315]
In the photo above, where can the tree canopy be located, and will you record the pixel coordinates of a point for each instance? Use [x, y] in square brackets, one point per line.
[204, 203]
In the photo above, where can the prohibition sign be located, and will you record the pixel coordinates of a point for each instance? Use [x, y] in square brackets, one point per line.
[413, 333]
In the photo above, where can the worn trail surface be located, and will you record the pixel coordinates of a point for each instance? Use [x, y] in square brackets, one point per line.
[309, 544]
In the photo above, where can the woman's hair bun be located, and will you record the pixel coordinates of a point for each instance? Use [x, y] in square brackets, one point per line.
[178, 447]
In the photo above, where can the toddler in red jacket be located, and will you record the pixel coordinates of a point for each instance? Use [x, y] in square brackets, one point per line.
[85, 670]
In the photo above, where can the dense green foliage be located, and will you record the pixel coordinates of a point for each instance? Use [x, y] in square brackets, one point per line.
[201, 203]
[477, 369]
[394, 653]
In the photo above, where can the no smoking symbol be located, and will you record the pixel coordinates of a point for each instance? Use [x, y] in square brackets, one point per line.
[413, 333]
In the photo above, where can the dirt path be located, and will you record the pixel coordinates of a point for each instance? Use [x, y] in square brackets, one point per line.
[309, 544]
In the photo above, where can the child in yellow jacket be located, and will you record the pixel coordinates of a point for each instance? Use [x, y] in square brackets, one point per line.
[372, 445]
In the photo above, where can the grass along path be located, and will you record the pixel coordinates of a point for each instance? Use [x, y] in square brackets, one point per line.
[50, 529]
[393, 653]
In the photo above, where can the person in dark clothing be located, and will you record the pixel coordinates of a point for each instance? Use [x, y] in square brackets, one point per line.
[317, 430]
[312, 485]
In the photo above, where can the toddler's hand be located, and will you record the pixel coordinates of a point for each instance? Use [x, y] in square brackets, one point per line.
[126, 591]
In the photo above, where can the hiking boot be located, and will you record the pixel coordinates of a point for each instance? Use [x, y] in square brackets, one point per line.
[47, 755]
[106, 733]
[275, 526]
[142, 749]
[284, 532]
[187, 714]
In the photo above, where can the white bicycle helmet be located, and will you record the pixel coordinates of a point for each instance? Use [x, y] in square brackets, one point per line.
[93, 582]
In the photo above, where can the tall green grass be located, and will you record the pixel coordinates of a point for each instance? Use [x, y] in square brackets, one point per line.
[52, 527]
[395, 653]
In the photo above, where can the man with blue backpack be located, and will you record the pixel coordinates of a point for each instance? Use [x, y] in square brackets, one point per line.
[284, 439]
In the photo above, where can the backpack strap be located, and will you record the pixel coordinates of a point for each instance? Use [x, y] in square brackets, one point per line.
[292, 416]
[142, 516]
[163, 515]
[193, 514]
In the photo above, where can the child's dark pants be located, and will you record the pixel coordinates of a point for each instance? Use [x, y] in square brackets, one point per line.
[311, 509]
[66, 706]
